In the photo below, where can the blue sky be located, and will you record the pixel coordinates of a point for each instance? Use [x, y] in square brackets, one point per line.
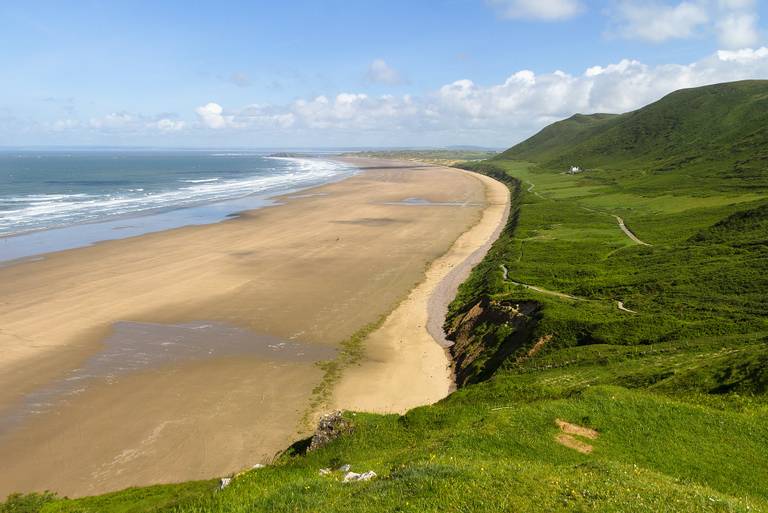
[333, 73]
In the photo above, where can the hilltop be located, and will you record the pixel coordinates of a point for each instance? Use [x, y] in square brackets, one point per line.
[716, 134]
[611, 350]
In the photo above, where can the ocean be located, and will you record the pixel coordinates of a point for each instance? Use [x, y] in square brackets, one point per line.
[54, 200]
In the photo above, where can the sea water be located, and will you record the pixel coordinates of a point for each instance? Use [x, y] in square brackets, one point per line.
[62, 199]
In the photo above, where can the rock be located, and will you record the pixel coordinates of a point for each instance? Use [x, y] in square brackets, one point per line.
[330, 427]
[351, 476]
[325, 471]
[345, 468]
[354, 476]
[258, 465]
[225, 481]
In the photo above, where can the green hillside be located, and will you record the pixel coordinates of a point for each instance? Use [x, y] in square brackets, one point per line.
[717, 134]
[611, 349]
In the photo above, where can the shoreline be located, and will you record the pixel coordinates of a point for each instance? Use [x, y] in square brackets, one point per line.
[366, 248]
[407, 362]
[37, 243]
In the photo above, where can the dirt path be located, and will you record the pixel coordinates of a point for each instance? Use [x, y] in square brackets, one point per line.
[628, 232]
[624, 228]
[530, 189]
[620, 304]
[622, 225]
[505, 273]
[562, 295]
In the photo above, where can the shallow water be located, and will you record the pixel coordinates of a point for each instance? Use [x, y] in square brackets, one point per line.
[138, 346]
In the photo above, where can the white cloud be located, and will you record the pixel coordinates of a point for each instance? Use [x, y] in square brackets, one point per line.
[460, 111]
[498, 113]
[738, 30]
[115, 120]
[548, 10]
[265, 116]
[657, 22]
[353, 111]
[211, 115]
[737, 4]
[743, 56]
[382, 73]
[119, 123]
[169, 125]
[63, 125]
[617, 87]
[737, 24]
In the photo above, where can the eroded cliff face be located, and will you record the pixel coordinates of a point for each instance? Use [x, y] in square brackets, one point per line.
[488, 334]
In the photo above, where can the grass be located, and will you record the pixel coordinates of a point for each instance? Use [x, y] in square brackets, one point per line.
[714, 137]
[351, 350]
[676, 391]
[686, 285]
[466, 454]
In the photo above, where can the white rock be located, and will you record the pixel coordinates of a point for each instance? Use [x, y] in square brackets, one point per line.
[258, 465]
[225, 481]
[345, 468]
[354, 476]
[351, 476]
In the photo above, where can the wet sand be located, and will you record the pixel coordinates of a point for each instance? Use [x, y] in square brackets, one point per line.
[310, 272]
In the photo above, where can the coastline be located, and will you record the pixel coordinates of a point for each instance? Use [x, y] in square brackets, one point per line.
[36, 243]
[311, 271]
[407, 362]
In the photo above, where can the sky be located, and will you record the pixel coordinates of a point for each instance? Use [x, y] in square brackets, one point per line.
[328, 73]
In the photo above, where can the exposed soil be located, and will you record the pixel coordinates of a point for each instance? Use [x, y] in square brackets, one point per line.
[569, 432]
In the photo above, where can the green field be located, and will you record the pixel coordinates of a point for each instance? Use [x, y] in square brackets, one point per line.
[443, 157]
[675, 388]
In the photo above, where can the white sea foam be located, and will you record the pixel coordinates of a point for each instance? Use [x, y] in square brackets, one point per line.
[21, 214]
[202, 180]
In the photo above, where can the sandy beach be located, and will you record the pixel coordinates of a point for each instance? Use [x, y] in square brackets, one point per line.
[406, 362]
[233, 318]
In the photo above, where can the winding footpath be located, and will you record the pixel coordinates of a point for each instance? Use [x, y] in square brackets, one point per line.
[562, 295]
[628, 232]
[530, 189]
[621, 306]
[634, 238]
[624, 228]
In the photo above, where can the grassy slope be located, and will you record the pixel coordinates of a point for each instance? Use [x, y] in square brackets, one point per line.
[715, 136]
[676, 391]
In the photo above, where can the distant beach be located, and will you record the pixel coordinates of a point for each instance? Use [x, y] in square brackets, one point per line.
[193, 352]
